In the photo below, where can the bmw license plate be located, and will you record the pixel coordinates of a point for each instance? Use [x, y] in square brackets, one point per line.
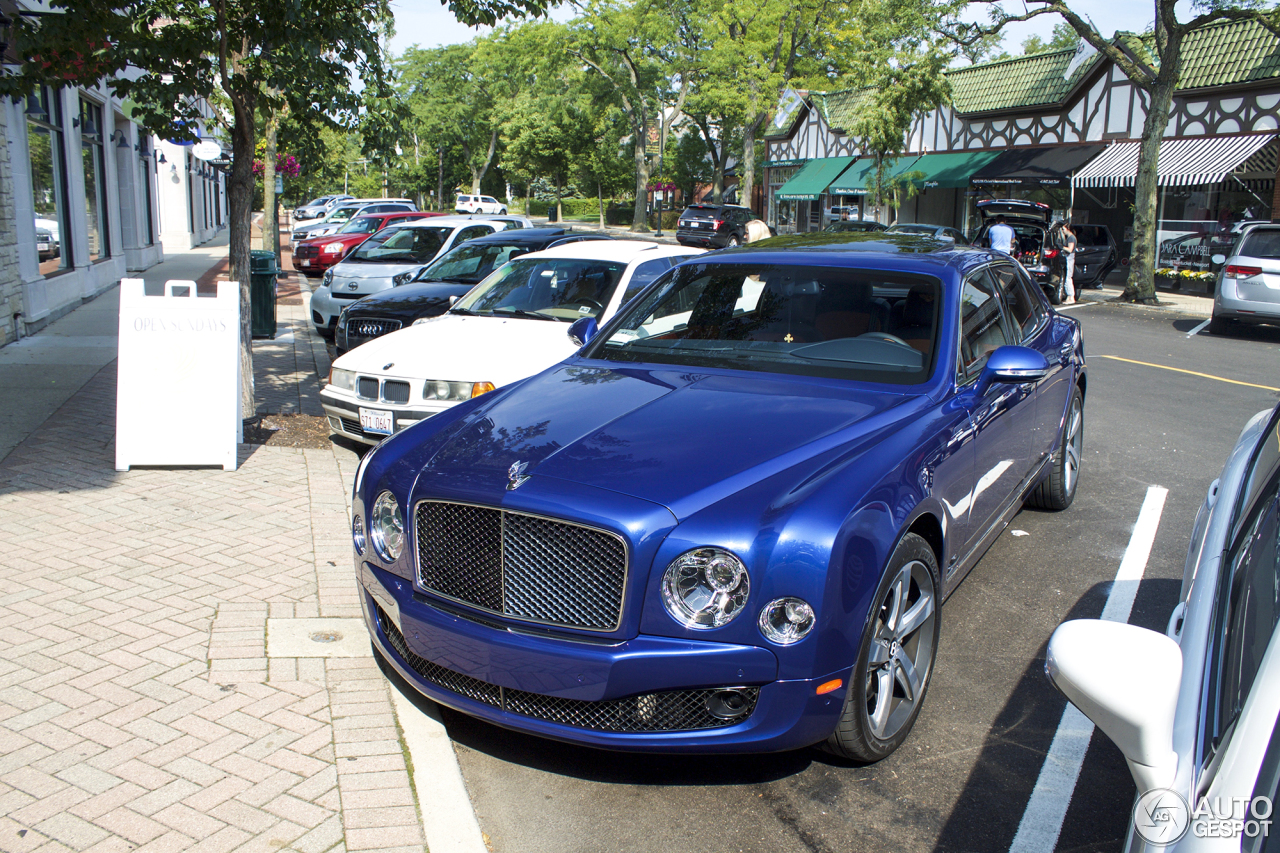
[377, 420]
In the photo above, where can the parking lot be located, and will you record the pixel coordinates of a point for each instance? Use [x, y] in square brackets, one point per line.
[1163, 409]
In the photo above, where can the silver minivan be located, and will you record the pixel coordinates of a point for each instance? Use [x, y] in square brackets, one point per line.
[1248, 287]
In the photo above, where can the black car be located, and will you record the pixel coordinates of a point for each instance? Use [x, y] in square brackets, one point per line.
[1096, 253]
[854, 225]
[713, 226]
[938, 232]
[439, 285]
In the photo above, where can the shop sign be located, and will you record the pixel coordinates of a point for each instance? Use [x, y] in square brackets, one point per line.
[206, 149]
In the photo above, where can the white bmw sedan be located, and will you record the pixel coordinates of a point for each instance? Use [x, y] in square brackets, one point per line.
[510, 326]
[1194, 710]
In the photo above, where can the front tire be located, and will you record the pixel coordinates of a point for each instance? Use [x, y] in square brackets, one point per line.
[1058, 489]
[895, 663]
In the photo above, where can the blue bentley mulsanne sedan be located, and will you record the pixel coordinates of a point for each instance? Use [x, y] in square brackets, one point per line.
[727, 523]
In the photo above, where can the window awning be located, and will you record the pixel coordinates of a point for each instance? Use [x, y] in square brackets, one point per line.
[813, 179]
[1036, 167]
[854, 180]
[952, 170]
[1183, 162]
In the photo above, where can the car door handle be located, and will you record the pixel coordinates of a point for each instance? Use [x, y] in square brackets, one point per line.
[1065, 352]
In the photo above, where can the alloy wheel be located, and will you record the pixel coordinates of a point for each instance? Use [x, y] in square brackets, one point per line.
[901, 651]
[1073, 445]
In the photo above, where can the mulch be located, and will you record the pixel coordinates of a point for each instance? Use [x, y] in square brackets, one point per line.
[287, 431]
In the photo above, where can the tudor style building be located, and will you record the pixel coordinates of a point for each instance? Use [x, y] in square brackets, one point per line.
[1053, 128]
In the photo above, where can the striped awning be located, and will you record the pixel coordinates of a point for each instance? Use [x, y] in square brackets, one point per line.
[1183, 162]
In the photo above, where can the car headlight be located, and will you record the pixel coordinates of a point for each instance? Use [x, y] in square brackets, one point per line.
[705, 588]
[357, 534]
[443, 389]
[328, 278]
[344, 379]
[342, 319]
[786, 620]
[421, 320]
[403, 278]
[386, 527]
[332, 248]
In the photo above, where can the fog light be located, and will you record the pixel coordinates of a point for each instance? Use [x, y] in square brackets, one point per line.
[386, 528]
[786, 620]
[728, 704]
[357, 534]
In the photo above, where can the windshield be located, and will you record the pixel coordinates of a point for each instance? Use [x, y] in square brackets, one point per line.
[555, 289]
[361, 225]
[342, 214]
[872, 326]
[401, 246]
[471, 262]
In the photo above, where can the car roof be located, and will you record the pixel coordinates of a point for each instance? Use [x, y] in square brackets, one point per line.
[623, 251]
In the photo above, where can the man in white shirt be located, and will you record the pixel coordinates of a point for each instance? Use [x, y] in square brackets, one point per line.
[1001, 236]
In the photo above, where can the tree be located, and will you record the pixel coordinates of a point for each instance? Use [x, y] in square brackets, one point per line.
[1156, 75]
[167, 55]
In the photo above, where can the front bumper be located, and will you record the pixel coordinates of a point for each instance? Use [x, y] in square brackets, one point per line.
[562, 689]
[344, 415]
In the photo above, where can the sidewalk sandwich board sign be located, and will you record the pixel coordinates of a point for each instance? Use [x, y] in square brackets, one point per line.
[178, 388]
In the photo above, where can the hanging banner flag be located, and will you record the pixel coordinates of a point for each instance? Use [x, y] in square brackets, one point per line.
[787, 106]
[1084, 53]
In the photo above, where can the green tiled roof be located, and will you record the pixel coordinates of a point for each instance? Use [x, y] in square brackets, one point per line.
[839, 109]
[1228, 54]
[1025, 81]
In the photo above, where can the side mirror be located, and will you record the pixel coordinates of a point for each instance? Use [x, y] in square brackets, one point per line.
[1013, 364]
[1126, 680]
[582, 331]
[1218, 259]
[453, 299]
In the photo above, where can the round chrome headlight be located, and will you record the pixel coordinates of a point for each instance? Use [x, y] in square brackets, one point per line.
[786, 620]
[357, 534]
[705, 588]
[386, 527]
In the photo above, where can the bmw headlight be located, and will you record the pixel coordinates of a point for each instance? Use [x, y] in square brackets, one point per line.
[786, 620]
[705, 588]
[443, 389]
[386, 527]
[332, 248]
[344, 379]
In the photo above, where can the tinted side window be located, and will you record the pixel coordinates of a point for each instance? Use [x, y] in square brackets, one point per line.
[643, 275]
[982, 329]
[1025, 310]
[471, 232]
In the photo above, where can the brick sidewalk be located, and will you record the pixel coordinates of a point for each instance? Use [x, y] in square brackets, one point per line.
[148, 699]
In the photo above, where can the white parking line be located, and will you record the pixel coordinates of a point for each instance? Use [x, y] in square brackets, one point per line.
[1197, 329]
[1042, 820]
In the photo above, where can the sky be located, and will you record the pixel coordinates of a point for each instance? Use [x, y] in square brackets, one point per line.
[428, 23]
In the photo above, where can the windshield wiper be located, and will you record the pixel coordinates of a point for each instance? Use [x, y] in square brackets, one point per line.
[465, 312]
[520, 312]
[454, 279]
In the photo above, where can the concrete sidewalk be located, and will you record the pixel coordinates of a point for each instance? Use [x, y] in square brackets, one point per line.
[183, 665]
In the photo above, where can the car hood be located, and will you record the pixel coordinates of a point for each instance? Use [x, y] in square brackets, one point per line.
[464, 349]
[359, 271]
[431, 297]
[669, 436]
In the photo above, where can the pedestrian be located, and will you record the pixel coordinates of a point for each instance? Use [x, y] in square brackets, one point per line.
[757, 230]
[1067, 241]
[1001, 236]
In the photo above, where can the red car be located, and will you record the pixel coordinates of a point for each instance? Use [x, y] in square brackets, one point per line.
[313, 257]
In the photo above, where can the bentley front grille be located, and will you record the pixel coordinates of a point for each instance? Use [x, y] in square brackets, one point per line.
[523, 566]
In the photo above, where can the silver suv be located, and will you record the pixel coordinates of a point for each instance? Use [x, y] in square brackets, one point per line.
[1248, 287]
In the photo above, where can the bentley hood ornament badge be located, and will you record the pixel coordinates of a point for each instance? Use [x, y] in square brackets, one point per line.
[516, 476]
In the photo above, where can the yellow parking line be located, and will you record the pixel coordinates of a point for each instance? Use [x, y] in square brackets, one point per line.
[1191, 372]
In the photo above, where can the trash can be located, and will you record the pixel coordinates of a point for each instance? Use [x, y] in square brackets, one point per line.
[262, 293]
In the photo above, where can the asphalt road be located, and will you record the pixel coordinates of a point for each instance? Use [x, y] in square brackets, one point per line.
[962, 780]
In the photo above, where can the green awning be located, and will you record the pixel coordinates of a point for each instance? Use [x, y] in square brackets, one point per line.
[854, 180]
[951, 171]
[813, 179]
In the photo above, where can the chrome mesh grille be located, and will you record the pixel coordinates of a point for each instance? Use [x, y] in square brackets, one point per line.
[522, 566]
[668, 711]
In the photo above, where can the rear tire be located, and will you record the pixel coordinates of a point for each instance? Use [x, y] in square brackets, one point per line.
[1219, 325]
[734, 242]
[1057, 292]
[1058, 489]
[888, 683]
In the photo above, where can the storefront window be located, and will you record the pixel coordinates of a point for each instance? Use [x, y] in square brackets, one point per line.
[48, 179]
[145, 165]
[1198, 222]
[782, 214]
[95, 172]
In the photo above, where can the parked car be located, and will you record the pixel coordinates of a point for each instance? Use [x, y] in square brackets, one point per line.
[713, 226]
[1030, 223]
[938, 232]
[478, 204]
[1194, 710]
[854, 225]
[507, 328]
[391, 257]
[439, 285]
[728, 522]
[47, 243]
[346, 211]
[1248, 286]
[318, 207]
[317, 254]
[1096, 255]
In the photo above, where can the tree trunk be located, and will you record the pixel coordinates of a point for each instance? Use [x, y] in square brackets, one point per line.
[640, 222]
[477, 177]
[600, 199]
[270, 225]
[747, 169]
[440, 180]
[240, 201]
[1141, 286]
